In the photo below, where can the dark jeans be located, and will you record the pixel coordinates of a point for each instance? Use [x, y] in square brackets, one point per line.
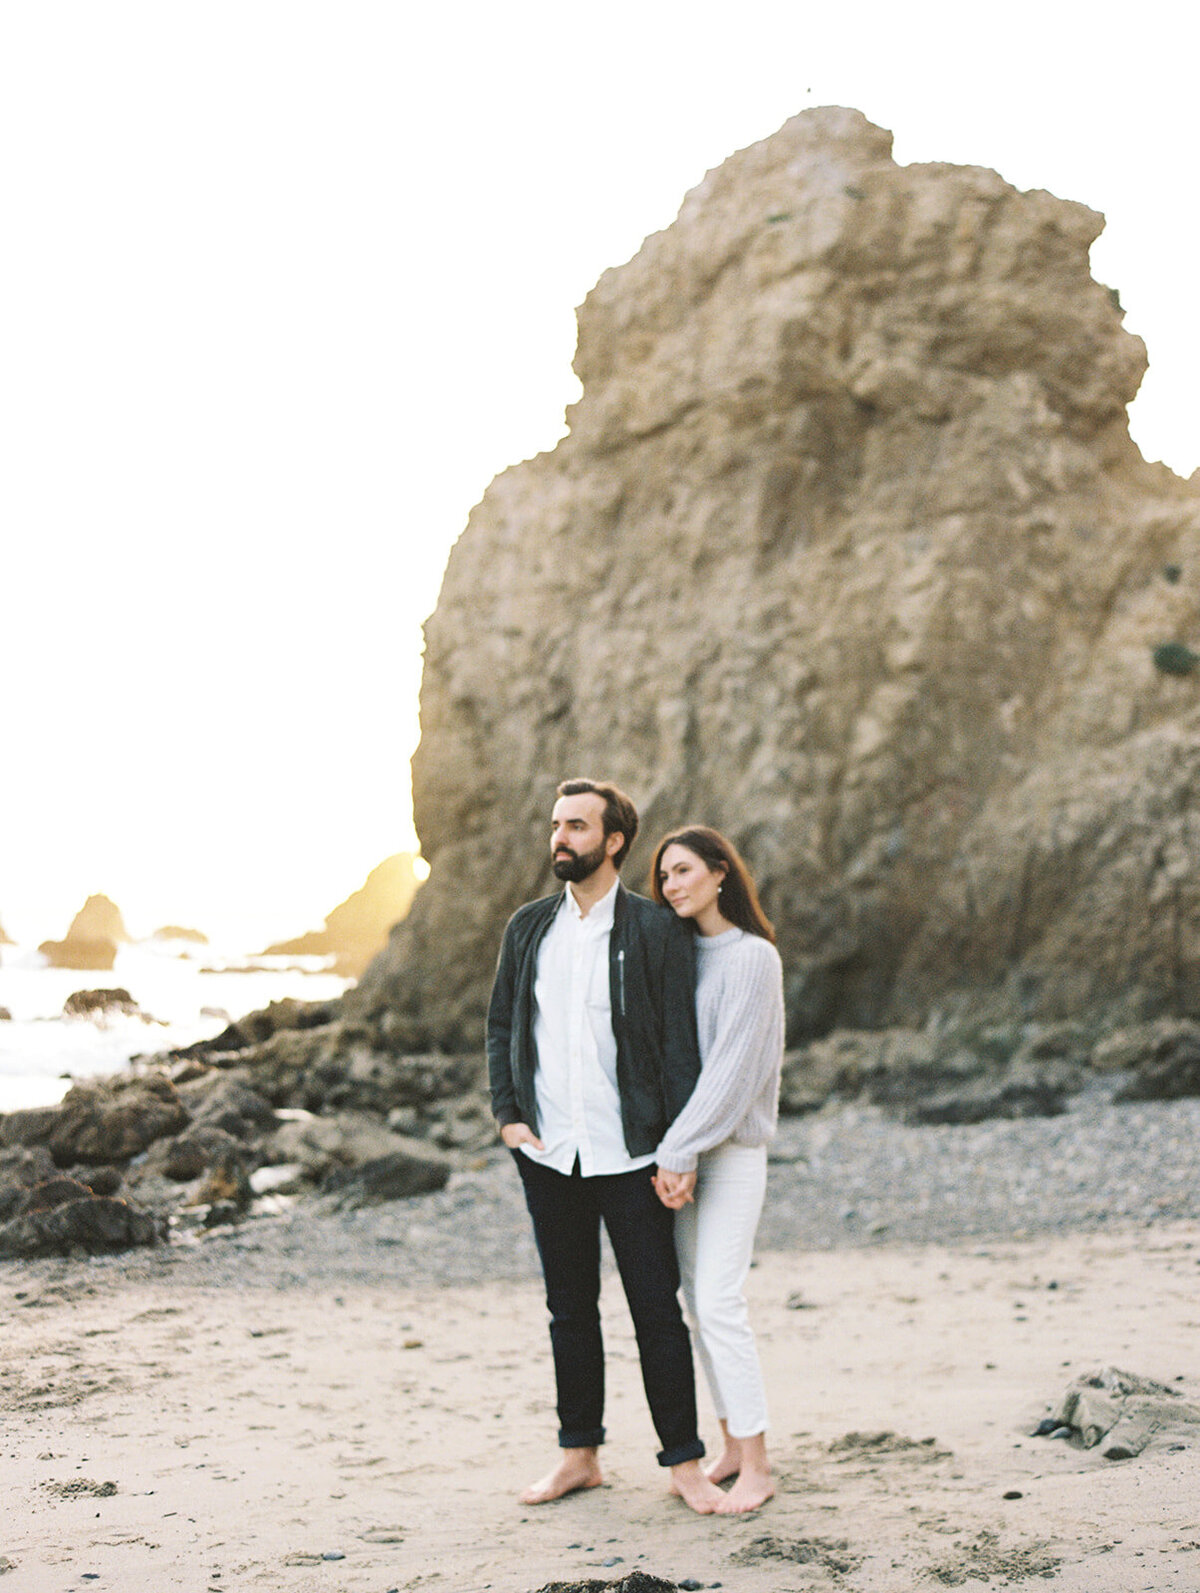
[567, 1212]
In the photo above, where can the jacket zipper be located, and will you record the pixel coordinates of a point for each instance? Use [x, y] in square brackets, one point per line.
[621, 977]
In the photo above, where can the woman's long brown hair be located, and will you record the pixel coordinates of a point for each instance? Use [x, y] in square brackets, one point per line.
[739, 899]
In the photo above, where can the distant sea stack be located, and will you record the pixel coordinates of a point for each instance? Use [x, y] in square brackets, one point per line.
[848, 552]
[175, 932]
[91, 942]
[4, 939]
[356, 930]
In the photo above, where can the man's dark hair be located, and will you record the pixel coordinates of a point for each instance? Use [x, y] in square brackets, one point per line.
[620, 816]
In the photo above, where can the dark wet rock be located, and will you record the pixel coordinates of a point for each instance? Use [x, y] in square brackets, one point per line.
[87, 1003]
[1164, 1058]
[195, 1152]
[370, 1080]
[327, 1145]
[413, 1170]
[111, 1121]
[95, 1223]
[21, 1169]
[227, 1183]
[100, 1180]
[340, 1066]
[1126, 1048]
[828, 1068]
[199, 1167]
[462, 1123]
[226, 1102]
[56, 1192]
[31, 1125]
[1021, 1091]
[283, 1067]
[260, 1025]
[923, 1076]
[634, 1582]
[1067, 1042]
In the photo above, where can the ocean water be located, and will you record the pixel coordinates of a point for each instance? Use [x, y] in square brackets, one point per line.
[185, 993]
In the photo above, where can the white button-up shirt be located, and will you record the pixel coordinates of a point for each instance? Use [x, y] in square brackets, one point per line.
[578, 1102]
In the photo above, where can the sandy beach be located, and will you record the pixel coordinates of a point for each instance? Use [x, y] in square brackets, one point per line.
[232, 1416]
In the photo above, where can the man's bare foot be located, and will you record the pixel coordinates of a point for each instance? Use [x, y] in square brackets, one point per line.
[752, 1489]
[694, 1488]
[727, 1464]
[578, 1468]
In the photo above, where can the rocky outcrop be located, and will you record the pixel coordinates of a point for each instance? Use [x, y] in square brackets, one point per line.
[45, 1212]
[290, 1100]
[106, 1122]
[96, 931]
[358, 929]
[4, 939]
[1164, 1057]
[84, 1223]
[101, 1003]
[948, 1076]
[849, 553]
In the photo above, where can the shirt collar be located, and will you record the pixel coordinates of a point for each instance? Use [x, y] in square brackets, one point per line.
[601, 915]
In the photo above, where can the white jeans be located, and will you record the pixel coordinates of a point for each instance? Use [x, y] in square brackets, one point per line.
[714, 1237]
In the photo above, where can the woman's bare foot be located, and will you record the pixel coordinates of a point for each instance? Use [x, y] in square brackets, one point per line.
[578, 1468]
[752, 1489]
[727, 1464]
[694, 1488]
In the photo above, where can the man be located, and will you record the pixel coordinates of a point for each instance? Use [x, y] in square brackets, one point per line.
[592, 1052]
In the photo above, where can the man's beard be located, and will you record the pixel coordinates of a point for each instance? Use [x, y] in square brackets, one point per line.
[581, 867]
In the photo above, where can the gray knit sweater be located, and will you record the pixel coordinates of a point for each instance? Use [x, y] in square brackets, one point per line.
[739, 1013]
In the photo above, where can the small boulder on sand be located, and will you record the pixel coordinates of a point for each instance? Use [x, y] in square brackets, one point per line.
[1121, 1413]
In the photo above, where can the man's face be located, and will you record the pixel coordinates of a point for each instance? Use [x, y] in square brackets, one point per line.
[578, 844]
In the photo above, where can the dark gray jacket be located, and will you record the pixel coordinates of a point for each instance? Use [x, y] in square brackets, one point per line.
[652, 984]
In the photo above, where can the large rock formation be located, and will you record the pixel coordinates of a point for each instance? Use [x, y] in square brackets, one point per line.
[848, 552]
[357, 929]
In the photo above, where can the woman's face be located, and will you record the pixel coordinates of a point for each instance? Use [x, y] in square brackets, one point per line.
[688, 884]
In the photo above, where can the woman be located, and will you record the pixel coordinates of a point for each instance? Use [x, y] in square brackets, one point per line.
[712, 1164]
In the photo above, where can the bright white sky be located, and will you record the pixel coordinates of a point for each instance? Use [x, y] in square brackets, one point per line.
[286, 282]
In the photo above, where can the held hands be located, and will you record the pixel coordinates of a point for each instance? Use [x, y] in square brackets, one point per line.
[675, 1190]
[514, 1134]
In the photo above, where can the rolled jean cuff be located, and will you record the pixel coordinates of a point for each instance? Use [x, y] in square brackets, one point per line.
[681, 1452]
[584, 1438]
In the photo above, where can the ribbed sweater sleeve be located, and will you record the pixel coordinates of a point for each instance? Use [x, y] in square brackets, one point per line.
[739, 1009]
